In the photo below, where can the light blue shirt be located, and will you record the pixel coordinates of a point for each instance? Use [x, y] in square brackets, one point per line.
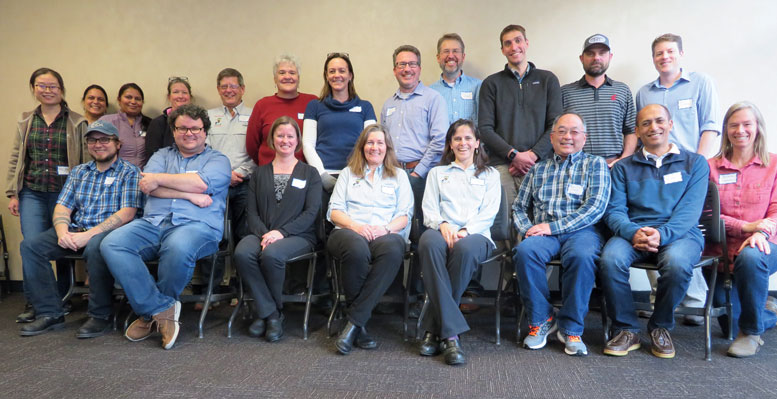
[457, 196]
[693, 102]
[228, 135]
[461, 97]
[212, 167]
[375, 202]
[417, 126]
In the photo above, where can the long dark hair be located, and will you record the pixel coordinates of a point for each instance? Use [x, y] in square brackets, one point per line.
[480, 157]
[326, 91]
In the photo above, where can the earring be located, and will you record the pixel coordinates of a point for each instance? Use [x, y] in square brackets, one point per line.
[477, 150]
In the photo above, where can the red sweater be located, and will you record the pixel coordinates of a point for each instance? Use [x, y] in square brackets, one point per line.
[265, 112]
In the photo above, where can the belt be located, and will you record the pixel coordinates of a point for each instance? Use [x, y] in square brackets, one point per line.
[409, 165]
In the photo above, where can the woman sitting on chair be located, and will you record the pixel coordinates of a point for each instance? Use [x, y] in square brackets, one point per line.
[745, 173]
[283, 201]
[370, 207]
[461, 200]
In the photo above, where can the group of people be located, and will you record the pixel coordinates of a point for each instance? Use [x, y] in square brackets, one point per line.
[126, 189]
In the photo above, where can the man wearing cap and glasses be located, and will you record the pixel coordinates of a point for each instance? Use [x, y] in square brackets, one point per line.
[183, 220]
[100, 196]
[606, 104]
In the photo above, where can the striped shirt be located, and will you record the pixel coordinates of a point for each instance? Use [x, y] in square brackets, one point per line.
[94, 196]
[567, 194]
[46, 158]
[608, 112]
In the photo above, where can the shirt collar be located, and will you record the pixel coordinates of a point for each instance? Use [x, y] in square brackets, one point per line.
[725, 163]
[518, 75]
[456, 83]
[571, 157]
[419, 90]
[659, 159]
[92, 165]
[684, 75]
[584, 83]
[238, 108]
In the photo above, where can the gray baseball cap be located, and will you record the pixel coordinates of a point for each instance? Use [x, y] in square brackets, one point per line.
[596, 39]
[103, 127]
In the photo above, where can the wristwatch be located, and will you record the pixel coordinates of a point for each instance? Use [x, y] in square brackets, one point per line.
[511, 155]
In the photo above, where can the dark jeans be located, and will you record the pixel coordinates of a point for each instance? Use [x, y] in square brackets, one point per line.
[40, 282]
[367, 269]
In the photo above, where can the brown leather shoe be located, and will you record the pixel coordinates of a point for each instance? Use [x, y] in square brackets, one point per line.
[167, 324]
[622, 344]
[468, 308]
[662, 343]
[139, 330]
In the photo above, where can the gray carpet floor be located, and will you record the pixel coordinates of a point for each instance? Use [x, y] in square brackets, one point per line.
[57, 365]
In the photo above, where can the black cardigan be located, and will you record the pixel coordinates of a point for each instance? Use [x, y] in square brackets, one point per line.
[296, 214]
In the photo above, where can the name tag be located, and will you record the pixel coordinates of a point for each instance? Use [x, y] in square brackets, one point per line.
[355, 109]
[142, 133]
[386, 189]
[390, 110]
[63, 170]
[191, 171]
[466, 95]
[575, 189]
[729, 178]
[675, 177]
[298, 183]
[109, 180]
[301, 116]
[243, 118]
[476, 182]
[687, 103]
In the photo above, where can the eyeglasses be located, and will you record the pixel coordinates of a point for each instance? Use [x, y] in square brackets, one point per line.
[192, 130]
[564, 132]
[338, 55]
[411, 64]
[52, 88]
[101, 140]
[229, 86]
[177, 78]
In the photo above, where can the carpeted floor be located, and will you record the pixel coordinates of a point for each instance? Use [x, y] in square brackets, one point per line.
[57, 365]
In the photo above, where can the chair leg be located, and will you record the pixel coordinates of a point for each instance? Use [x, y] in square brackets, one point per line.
[335, 299]
[707, 309]
[208, 295]
[498, 301]
[421, 315]
[233, 316]
[406, 292]
[309, 298]
[605, 324]
[729, 307]
[71, 289]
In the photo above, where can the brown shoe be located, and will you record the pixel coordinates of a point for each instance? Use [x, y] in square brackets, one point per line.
[662, 343]
[468, 308]
[167, 324]
[139, 330]
[622, 344]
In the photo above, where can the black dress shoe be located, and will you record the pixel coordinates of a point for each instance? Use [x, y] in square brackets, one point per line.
[67, 307]
[453, 353]
[256, 329]
[274, 329]
[430, 346]
[28, 315]
[43, 324]
[94, 327]
[344, 341]
[365, 341]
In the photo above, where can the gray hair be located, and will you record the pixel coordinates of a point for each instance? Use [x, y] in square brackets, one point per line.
[285, 58]
[565, 113]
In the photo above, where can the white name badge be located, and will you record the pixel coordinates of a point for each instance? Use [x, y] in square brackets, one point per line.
[142, 133]
[298, 183]
[109, 180]
[675, 177]
[387, 189]
[63, 170]
[390, 110]
[466, 95]
[355, 109]
[191, 171]
[729, 178]
[243, 118]
[575, 189]
[687, 103]
[476, 182]
[301, 116]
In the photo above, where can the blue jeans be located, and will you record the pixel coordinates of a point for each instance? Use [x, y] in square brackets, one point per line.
[36, 209]
[39, 279]
[579, 252]
[177, 247]
[675, 266]
[752, 269]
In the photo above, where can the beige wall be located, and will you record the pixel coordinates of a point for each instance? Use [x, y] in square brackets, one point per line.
[113, 42]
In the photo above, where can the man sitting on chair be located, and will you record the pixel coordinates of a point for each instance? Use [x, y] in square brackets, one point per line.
[657, 197]
[566, 194]
[100, 196]
[183, 220]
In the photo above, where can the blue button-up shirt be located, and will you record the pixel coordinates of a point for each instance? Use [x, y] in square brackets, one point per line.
[94, 196]
[417, 125]
[568, 194]
[461, 98]
[375, 202]
[693, 102]
[214, 170]
[455, 195]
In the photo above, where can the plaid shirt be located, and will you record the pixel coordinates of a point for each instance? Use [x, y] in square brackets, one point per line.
[94, 196]
[46, 161]
[567, 194]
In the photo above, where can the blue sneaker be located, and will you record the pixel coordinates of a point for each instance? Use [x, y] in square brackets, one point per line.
[538, 335]
[573, 344]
